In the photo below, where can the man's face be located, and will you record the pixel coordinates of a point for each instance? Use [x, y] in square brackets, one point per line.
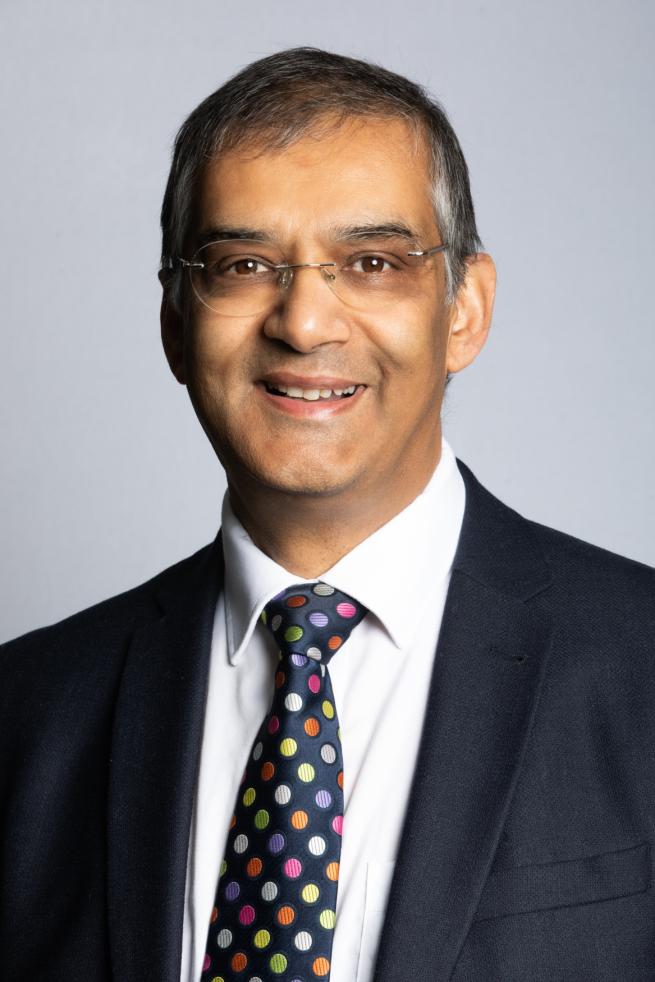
[370, 173]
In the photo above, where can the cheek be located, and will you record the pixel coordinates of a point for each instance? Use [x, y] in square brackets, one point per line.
[214, 356]
[412, 350]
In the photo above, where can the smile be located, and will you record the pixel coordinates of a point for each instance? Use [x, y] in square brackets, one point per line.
[311, 395]
[311, 403]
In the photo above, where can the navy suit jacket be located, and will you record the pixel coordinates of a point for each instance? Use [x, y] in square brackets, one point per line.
[527, 849]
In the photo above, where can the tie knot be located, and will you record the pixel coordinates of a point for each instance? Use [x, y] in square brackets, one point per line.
[312, 619]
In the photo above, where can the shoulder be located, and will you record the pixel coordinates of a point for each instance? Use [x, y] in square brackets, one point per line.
[578, 582]
[609, 597]
[580, 563]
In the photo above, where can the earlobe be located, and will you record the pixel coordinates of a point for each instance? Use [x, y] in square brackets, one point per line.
[172, 336]
[472, 312]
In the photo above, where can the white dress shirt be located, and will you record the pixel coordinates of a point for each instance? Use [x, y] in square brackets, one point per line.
[380, 681]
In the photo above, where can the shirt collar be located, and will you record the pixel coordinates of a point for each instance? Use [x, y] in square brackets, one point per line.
[393, 572]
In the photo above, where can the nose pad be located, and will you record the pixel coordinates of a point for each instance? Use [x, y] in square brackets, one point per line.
[285, 278]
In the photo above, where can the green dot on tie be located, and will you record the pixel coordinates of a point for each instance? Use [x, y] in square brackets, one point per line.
[327, 919]
[261, 819]
[278, 963]
[293, 634]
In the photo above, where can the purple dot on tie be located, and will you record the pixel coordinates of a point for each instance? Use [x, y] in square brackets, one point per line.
[299, 660]
[318, 618]
[232, 890]
[323, 799]
[276, 843]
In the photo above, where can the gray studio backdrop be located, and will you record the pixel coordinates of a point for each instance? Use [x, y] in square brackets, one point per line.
[107, 476]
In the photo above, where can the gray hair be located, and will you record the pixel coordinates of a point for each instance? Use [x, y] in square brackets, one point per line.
[278, 99]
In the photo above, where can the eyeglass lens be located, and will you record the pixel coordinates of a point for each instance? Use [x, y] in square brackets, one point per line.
[239, 278]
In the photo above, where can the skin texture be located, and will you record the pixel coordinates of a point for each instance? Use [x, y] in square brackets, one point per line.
[309, 488]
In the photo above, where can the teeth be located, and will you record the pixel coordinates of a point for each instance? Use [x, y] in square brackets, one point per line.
[312, 395]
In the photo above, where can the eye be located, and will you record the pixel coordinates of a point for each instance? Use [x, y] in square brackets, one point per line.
[371, 264]
[246, 266]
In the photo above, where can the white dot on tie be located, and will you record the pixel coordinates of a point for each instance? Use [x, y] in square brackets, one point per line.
[293, 702]
[269, 890]
[303, 941]
[317, 845]
[323, 590]
[283, 794]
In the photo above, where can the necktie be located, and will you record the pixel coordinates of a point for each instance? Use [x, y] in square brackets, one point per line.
[275, 907]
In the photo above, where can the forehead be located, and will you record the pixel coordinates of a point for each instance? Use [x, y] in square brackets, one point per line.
[368, 170]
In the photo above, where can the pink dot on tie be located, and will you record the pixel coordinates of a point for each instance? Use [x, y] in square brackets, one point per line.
[337, 824]
[273, 724]
[346, 609]
[247, 914]
[292, 868]
[314, 683]
[207, 962]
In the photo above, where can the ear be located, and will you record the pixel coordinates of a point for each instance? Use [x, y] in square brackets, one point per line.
[472, 311]
[172, 330]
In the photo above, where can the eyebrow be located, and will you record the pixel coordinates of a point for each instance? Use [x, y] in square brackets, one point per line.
[375, 230]
[342, 233]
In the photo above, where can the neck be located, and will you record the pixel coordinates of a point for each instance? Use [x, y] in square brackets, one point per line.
[308, 534]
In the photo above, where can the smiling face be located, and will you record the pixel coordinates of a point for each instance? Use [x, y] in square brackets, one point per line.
[310, 202]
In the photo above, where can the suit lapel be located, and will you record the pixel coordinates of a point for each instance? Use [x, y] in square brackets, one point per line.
[155, 754]
[488, 669]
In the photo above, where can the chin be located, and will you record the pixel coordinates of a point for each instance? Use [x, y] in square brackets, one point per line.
[303, 483]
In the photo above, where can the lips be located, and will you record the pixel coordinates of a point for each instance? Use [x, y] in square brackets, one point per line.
[315, 398]
[311, 395]
[310, 388]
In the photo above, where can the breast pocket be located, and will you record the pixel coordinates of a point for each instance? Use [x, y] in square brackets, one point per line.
[378, 882]
[521, 889]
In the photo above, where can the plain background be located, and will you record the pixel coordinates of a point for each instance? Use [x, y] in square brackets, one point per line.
[108, 477]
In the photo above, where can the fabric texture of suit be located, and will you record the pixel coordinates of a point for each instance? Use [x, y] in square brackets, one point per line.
[527, 849]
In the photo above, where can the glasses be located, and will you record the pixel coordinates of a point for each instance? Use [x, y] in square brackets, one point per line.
[238, 278]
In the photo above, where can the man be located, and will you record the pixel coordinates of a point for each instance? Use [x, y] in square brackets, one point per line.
[383, 727]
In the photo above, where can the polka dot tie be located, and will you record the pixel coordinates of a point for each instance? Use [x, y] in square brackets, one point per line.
[275, 907]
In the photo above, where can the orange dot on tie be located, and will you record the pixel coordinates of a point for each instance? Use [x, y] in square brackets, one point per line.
[286, 915]
[279, 680]
[312, 726]
[333, 643]
[299, 819]
[254, 866]
[214, 914]
[268, 770]
[239, 962]
[297, 601]
[332, 871]
[320, 967]
[233, 820]
[340, 779]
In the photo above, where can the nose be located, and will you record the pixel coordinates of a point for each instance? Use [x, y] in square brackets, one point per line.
[308, 313]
